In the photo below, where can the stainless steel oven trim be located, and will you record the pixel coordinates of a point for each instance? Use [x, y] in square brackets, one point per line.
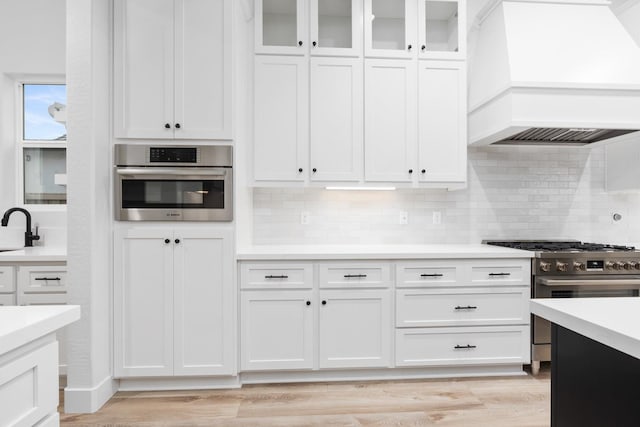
[609, 283]
[146, 214]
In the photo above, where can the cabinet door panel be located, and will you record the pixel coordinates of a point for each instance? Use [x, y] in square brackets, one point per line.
[336, 27]
[7, 279]
[277, 330]
[442, 125]
[143, 67]
[203, 69]
[281, 118]
[203, 302]
[143, 294]
[390, 120]
[355, 329]
[440, 27]
[390, 28]
[336, 119]
[280, 27]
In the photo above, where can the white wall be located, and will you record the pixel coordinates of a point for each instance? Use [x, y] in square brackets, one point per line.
[32, 42]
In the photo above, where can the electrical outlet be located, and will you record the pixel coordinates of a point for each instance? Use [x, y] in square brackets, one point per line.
[437, 217]
[304, 218]
[404, 218]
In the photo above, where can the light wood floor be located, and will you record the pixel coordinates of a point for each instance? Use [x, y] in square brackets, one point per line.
[505, 401]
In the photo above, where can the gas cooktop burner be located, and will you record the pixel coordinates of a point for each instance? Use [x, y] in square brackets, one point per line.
[560, 246]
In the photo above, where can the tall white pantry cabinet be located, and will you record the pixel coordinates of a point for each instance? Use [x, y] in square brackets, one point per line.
[360, 91]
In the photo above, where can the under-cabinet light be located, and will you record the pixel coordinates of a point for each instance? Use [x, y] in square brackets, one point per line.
[361, 188]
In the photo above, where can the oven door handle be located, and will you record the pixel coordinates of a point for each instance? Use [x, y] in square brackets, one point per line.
[172, 172]
[589, 282]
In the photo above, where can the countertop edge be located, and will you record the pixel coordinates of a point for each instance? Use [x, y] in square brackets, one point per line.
[594, 331]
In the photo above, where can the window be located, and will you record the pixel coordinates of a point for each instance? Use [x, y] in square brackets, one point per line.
[42, 143]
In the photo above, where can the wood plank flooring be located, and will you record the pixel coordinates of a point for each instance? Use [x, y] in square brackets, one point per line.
[504, 401]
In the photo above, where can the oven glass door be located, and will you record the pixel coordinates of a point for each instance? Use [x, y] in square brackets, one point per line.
[173, 194]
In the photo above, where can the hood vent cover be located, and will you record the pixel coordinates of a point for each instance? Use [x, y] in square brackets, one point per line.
[544, 72]
[572, 136]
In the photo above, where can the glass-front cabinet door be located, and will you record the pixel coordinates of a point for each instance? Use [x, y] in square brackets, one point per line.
[335, 27]
[281, 27]
[390, 28]
[439, 28]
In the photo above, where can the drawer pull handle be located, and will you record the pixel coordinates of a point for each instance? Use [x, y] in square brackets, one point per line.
[466, 307]
[48, 278]
[499, 274]
[276, 277]
[356, 276]
[432, 275]
[468, 346]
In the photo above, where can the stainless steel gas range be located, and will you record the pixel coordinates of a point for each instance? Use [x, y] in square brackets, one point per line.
[572, 269]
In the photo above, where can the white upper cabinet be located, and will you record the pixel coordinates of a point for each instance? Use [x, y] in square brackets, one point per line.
[414, 28]
[390, 120]
[442, 128]
[318, 27]
[172, 69]
[281, 123]
[336, 119]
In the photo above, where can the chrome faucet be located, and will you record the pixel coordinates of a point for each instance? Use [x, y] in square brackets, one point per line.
[29, 237]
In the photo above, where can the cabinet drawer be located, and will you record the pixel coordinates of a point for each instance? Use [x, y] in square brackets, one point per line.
[45, 279]
[7, 279]
[276, 276]
[462, 346]
[442, 273]
[42, 299]
[501, 272]
[7, 299]
[355, 275]
[458, 307]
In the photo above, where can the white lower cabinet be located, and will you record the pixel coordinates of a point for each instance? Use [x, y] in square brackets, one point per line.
[173, 302]
[355, 328]
[277, 330]
[457, 346]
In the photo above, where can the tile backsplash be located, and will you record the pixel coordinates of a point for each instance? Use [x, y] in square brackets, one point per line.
[513, 192]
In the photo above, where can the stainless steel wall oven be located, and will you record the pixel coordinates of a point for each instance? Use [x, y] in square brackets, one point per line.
[173, 183]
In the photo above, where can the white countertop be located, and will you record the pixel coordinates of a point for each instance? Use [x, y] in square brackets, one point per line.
[611, 321]
[35, 253]
[20, 325]
[323, 252]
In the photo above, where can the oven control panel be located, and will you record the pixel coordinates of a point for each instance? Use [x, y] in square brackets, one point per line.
[587, 265]
[173, 155]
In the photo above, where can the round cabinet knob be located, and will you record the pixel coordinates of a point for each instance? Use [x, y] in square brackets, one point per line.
[177, 241]
[410, 170]
[308, 302]
[167, 241]
[409, 47]
[300, 43]
[561, 266]
[545, 266]
[300, 170]
[423, 47]
[324, 302]
[314, 170]
[580, 266]
[177, 125]
[167, 126]
[423, 171]
[314, 44]
[609, 265]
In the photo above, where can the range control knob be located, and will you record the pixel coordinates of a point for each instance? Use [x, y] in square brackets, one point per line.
[545, 266]
[562, 266]
[580, 266]
[609, 265]
[618, 265]
[627, 265]
[634, 264]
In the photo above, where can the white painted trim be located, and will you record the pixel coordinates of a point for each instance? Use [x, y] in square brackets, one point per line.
[179, 383]
[89, 400]
[622, 6]
[381, 374]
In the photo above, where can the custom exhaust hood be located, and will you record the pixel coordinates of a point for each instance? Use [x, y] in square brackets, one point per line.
[552, 72]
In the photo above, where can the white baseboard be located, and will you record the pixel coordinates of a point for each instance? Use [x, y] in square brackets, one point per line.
[89, 400]
[180, 383]
[380, 374]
